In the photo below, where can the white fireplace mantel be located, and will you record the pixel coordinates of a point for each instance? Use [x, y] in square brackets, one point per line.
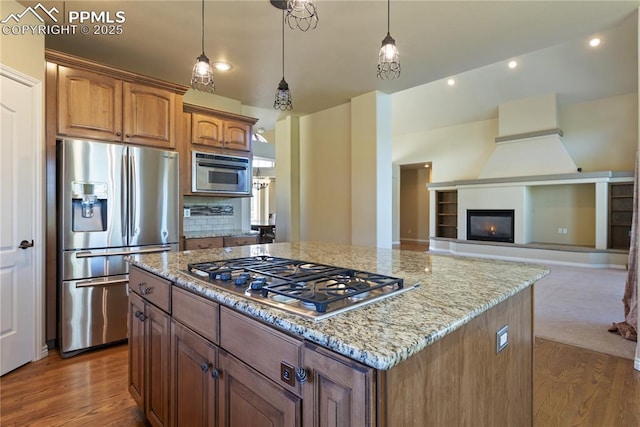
[517, 193]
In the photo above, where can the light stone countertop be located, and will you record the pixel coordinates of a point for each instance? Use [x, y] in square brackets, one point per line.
[452, 291]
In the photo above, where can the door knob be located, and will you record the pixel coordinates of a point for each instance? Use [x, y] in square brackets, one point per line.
[25, 244]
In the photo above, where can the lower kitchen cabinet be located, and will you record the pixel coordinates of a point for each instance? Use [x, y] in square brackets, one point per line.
[149, 346]
[194, 378]
[249, 399]
[338, 391]
[199, 364]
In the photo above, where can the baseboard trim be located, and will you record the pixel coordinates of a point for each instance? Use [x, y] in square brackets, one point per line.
[426, 242]
[44, 351]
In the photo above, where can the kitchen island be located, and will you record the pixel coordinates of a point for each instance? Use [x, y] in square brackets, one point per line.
[428, 356]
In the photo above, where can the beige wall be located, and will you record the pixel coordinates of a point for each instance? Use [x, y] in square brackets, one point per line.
[602, 134]
[325, 175]
[599, 135]
[456, 152]
[24, 53]
[564, 206]
[414, 204]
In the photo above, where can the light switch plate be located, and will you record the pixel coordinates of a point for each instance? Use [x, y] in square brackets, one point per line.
[502, 338]
[187, 212]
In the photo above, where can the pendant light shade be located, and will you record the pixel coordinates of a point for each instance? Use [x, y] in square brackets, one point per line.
[202, 74]
[302, 14]
[388, 57]
[283, 94]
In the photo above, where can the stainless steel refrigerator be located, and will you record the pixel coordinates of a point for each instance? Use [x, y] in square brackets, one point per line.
[114, 200]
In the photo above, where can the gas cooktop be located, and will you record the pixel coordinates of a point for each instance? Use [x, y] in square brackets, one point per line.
[311, 290]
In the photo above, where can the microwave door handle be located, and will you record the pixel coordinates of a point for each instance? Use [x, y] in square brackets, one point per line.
[214, 165]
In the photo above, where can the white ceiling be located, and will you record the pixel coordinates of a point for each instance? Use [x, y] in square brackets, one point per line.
[337, 61]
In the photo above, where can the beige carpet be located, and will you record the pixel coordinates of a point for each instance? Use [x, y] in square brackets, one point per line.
[576, 306]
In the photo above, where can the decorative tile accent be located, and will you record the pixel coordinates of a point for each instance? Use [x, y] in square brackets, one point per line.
[215, 210]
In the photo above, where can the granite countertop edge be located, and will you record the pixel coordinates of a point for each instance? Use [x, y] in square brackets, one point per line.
[365, 347]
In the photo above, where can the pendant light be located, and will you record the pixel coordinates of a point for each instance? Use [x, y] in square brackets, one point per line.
[202, 74]
[283, 94]
[302, 14]
[388, 57]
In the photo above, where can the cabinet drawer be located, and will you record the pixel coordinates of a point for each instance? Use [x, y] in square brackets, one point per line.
[240, 241]
[154, 289]
[272, 353]
[203, 243]
[197, 313]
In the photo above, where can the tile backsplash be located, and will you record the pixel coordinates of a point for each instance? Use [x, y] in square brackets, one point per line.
[210, 214]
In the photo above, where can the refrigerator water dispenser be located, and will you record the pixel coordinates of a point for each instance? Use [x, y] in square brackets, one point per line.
[88, 206]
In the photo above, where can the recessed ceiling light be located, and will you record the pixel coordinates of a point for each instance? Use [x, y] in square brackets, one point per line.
[513, 64]
[595, 42]
[427, 165]
[222, 66]
[451, 82]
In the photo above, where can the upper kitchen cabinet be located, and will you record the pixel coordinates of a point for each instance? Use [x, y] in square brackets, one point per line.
[99, 102]
[218, 129]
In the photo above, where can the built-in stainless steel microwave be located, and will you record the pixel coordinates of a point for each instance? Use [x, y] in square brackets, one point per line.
[221, 174]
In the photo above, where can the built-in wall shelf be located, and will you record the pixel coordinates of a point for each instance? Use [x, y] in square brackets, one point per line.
[447, 213]
[620, 215]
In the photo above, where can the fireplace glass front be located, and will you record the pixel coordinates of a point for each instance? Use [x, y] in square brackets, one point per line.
[492, 225]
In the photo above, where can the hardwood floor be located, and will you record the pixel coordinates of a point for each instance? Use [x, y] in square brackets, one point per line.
[577, 387]
[572, 387]
[86, 390]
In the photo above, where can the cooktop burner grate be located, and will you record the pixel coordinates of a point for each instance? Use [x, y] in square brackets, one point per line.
[310, 289]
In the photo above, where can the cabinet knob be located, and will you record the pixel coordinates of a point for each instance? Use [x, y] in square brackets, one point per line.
[140, 316]
[301, 375]
[215, 373]
[144, 289]
[118, 133]
[127, 135]
[205, 366]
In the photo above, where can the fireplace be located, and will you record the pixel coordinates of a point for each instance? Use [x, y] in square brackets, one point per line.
[492, 225]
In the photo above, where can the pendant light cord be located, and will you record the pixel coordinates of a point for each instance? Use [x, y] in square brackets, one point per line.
[202, 26]
[388, 16]
[282, 44]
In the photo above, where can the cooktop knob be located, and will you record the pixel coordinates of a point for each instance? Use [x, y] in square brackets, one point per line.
[224, 276]
[258, 283]
[241, 280]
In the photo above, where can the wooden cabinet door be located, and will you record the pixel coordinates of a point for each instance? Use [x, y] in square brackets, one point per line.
[249, 399]
[136, 349]
[149, 116]
[158, 347]
[89, 105]
[338, 391]
[207, 130]
[193, 378]
[237, 136]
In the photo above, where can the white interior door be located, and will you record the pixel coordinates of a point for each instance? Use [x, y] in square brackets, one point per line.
[20, 269]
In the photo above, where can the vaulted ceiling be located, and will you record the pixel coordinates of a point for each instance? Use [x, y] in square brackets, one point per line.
[336, 61]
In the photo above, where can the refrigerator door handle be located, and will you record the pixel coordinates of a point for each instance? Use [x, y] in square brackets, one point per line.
[124, 196]
[91, 283]
[91, 254]
[133, 196]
